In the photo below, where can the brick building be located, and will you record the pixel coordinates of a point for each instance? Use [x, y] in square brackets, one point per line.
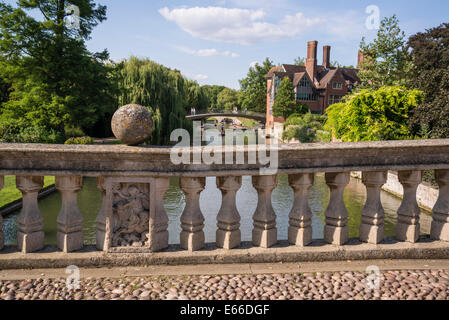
[318, 86]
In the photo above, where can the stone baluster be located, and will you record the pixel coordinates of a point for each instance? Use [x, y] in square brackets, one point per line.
[228, 219]
[407, 228]
[336, 229]
[300, 229]
[192, 220]
[372, 226]
[70, 221]
[264, 232]
[30, 234]
[102, 242]
[440, 223]
[2, 234]
[158, 234]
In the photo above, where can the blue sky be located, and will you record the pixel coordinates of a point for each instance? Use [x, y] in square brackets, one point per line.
[215, 41]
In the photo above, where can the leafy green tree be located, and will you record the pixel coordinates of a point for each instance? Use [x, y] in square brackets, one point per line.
[253, 88]
[212, 92]
[4, 91]
[196, 97]
[430, 51]
[284, 101]
[56, 80]
[387, 61]
[227, 99]
[165, 92]
[302, 127]
[300, 61]
[372, 115]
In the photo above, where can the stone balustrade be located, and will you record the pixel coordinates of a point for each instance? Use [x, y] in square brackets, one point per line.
[133, 181]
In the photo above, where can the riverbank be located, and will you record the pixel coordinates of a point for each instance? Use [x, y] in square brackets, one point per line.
[426, 195]
[11, 197]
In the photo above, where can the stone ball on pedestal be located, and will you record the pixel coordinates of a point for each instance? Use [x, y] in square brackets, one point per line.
[132, 124]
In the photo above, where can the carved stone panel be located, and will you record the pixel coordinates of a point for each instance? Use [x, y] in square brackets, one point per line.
[130, 214]
[132, 217]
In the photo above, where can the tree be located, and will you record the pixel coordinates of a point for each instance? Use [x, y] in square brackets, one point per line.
[212, 92]
[4, 91]
[56, 81]
[387, 61]
[299, 61]
[284, 103]
[253, 88]
[302, 127]
[196, 97]
[372, 115]
[165, 92]
[227, 100]
[430, 51]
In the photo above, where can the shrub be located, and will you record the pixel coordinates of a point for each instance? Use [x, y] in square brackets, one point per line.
[73, 132]
[302, 127]
[80, 140]
[373, 115]
[35, 134]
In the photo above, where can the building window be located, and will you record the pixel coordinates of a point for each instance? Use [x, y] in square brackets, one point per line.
[334, 99]
[337, 85]
[304, 83]
[307, 97]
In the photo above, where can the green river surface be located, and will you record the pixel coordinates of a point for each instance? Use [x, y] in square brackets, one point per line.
[89, 201]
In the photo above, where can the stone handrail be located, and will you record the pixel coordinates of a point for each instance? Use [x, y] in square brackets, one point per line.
[133, 181]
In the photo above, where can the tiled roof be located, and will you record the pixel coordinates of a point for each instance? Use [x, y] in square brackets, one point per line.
[295, 73]
[326, 76]
[298, 76]
[270, 74]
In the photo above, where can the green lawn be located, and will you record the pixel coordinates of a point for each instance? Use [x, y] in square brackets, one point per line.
[250, 123]
[9, 193]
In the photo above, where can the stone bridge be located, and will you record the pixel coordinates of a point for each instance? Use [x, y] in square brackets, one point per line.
[254, 116]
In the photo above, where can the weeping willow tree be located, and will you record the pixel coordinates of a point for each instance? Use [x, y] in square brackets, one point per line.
[165, 92]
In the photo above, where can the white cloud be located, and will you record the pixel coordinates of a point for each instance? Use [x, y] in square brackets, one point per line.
[240, 26]
[207, 52]
[199, 76]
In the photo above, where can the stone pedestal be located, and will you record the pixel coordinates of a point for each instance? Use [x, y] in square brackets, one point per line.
[192, 220]
[70, 221]
[101, 217]
[2, 234]
[440, 223]
[300, 229]
[30, 234]
[407, 228]
[336, 229]
[158, 234]
[228, 218]
[264, 232]
[372, 226]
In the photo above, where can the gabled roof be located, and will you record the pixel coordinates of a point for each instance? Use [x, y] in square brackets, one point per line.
[297, 78]
[292, 68]
[324, 75]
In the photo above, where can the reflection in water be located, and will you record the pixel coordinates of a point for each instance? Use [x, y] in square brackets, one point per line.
[210, 201]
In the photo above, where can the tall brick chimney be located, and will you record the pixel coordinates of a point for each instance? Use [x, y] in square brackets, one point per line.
[327, 57]
[360, 59]
[311, 61]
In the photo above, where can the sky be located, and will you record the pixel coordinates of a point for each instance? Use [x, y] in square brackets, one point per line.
[215, 41]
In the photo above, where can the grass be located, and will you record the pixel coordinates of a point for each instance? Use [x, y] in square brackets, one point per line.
[249, 123]
[10, 193]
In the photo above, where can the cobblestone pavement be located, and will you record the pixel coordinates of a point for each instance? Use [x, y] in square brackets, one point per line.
[392, 285]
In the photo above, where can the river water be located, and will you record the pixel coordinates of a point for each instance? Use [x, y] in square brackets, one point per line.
[89, 201]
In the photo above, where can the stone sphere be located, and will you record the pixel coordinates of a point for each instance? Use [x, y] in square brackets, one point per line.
[132, 124]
